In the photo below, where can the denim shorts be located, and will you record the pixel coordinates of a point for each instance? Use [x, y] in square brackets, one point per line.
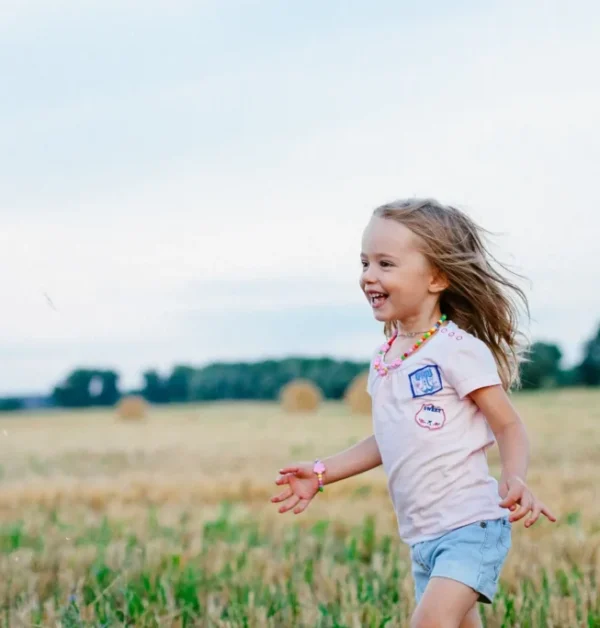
[473, 555]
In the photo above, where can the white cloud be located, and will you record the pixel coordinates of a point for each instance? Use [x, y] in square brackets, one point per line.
[14, 12]
[486, 111]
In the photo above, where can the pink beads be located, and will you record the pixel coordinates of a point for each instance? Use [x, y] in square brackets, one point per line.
[379, 364]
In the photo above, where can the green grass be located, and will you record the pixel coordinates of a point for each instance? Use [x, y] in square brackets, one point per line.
[242, 574]
[110, 523]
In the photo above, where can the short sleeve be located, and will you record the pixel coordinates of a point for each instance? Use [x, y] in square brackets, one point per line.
[370, 382]
[470, 365]
[371, 375]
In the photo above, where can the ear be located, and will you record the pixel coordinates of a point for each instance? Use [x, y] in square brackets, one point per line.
[438, 281]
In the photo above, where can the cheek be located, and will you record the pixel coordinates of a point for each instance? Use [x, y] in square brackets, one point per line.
[410, 281]
[396, 278]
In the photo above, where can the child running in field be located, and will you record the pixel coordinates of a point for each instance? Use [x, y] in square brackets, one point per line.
[439, 390]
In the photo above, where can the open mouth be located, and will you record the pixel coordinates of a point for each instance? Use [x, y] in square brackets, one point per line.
[377, 299]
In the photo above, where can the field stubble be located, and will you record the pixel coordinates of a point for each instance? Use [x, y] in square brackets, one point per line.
[167, 522]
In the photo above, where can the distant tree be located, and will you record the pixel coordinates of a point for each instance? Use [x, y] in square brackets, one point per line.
[569, 377]
[543, 366]
[589, 369]
[178, 383]
[11, 404]
[75, 392]
[109, 394]
[87, 387]
[264, 380]
[155, 388]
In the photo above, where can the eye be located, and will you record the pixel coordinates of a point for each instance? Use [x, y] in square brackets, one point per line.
[364, 263]
[385, 264]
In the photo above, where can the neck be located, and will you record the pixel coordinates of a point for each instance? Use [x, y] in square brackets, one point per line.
[420, 322]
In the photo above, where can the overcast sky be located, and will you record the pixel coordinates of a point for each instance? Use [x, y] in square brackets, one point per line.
[186, 181]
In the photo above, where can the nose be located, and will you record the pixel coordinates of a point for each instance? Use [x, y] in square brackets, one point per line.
[368, 275]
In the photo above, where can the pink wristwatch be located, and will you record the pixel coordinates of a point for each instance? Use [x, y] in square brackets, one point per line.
[319, 469]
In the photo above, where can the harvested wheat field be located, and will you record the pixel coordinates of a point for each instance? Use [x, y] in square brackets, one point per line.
[167, 522]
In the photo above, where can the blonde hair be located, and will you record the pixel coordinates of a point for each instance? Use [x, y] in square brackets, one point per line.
[479, 299]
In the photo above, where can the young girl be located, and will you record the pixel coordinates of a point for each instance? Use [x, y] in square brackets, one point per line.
[439, 389]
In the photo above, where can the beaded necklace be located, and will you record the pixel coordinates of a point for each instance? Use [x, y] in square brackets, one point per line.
[382, 368]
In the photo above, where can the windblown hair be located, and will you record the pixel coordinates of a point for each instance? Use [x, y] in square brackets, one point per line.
[479, 298]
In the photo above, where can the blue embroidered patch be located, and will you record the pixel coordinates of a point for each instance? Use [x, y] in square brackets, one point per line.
[425, 381]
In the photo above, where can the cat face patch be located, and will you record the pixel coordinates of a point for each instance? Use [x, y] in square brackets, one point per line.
[430, 417]
[425, 381]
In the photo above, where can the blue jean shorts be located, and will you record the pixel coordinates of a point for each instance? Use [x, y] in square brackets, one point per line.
[473, 555]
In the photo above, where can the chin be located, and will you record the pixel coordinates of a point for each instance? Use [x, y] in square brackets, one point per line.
[382, 318]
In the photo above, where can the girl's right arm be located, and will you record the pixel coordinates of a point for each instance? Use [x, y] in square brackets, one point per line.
[303, 484]
[359, 458]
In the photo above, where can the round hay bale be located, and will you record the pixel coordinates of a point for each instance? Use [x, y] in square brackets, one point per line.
[356, 397]
[132, 408]
[301, 395]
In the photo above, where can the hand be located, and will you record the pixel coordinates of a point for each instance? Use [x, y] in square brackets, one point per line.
[517, 497]
[302, 486]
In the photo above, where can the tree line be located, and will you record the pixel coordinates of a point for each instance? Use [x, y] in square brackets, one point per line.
[263, 380]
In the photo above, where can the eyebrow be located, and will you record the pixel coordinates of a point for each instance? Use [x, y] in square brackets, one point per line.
[380, 255]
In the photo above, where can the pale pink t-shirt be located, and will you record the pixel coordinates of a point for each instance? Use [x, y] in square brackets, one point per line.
[433, 438]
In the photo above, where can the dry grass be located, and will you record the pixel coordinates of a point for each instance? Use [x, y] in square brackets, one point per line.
[301, 396]
[78, 491]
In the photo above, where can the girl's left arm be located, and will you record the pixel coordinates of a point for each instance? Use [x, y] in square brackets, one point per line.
[513, 443]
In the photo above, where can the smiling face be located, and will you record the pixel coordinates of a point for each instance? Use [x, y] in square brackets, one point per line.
[397, 279]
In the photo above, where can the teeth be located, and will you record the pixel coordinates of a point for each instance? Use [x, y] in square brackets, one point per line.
[374, 297]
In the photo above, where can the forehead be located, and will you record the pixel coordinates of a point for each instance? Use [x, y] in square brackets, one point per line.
[385, 236]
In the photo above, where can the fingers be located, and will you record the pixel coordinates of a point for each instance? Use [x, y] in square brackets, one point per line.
[521, 501]
[549, 515]
[283, 495]
[284, 479]
[292, 502]
[512, 498]
[302, 506]
[288, 495]
[291, 470]
[526, 504]
[535, 514]
[299, 505]
[537, 510]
